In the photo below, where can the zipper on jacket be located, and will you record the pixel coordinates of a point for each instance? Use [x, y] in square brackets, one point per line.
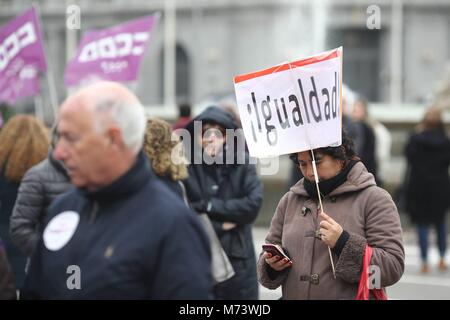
[84, 241]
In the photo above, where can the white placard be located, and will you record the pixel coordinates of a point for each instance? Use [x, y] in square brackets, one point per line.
[292, 107]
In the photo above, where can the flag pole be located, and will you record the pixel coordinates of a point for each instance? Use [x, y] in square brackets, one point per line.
[48, 74]
[38, 107]
[71, 40]
[170, 18]
[53, 94]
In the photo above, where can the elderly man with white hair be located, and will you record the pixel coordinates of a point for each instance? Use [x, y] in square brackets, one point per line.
[120, 234]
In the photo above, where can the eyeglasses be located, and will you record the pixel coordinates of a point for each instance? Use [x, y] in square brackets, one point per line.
[208, 132]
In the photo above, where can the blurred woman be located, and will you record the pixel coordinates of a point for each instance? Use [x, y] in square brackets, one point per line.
[368, 149]
[24, 142]
[159, 148]
[38, 188]
[428, 183]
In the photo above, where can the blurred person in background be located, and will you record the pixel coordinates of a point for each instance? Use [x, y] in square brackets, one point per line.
[427, 187]
[383, 140]
[229, 193]
[24, 142]
[371, 143]
[353, 128]
[38, 188]
[184, 116]
[166, 162]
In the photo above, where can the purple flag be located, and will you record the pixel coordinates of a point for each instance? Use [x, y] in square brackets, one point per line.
[21, 57]
[111, 54]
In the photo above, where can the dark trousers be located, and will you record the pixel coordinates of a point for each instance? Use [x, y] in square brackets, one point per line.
[423, 231]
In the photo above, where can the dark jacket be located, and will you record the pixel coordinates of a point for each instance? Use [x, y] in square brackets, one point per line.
[39, 187]
[135, 240]
[367, 153]
[428, 185]
[364, 141]
[234, 192]
[7, 290]
[175, 186]
[8, 195]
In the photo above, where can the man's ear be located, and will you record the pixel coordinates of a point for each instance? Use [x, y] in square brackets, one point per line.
[116, 137]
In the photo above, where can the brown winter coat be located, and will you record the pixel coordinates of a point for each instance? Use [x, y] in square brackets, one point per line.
[364, 210]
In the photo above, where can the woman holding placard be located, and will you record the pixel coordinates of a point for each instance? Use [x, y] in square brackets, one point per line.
[355, 214]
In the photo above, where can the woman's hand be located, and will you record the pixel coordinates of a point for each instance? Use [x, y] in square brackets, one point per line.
[276, 262]
[330, 230]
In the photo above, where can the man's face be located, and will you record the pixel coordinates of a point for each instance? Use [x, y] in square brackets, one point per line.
[81, 148]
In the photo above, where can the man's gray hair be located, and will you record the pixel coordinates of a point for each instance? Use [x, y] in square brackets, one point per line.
[128, 114]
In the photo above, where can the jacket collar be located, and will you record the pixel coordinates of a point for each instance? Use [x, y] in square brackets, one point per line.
[358, 179]
[57, 164]
[328, 186]
[132, 181]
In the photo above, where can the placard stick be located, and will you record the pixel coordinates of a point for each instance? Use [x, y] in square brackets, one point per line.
[316, 178]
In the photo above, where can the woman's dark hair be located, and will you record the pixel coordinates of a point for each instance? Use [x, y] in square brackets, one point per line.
[346, 151]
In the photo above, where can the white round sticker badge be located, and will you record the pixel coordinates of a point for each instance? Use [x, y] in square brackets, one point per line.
[60, 230]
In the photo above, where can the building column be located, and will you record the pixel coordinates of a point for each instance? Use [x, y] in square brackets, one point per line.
[396, 84]
[169, 53]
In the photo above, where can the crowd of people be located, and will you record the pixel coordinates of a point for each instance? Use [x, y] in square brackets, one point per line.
[147, 213]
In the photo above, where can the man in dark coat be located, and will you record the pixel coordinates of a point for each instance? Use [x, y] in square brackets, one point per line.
[230, 192]
[121, 234]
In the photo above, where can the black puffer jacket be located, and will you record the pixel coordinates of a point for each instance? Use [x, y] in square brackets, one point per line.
[39, 187]
[234, 192]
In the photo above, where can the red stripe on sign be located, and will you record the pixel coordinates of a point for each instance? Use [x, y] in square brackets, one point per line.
[331, 55]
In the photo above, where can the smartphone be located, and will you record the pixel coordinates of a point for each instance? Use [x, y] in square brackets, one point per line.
[273, 249]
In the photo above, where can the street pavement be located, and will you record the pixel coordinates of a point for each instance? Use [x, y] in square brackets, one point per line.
[412, 286]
